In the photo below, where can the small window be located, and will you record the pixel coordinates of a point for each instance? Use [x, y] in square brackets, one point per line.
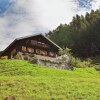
[51, 54]
[30, 50]
[38, 51]
[23, 48]
[13, 51]
[43, 52]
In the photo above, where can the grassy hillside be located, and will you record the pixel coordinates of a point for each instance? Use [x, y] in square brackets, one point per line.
[27, 81]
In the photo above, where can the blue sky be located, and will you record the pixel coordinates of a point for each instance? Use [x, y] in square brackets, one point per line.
[4, 4]
[24, 17]
[85, 4]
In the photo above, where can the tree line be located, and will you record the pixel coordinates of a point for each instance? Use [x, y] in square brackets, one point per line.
[81, 35]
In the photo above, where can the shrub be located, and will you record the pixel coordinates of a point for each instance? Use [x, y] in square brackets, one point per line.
[18, 56]
[77, 62]
[4, 57]
[34, 61]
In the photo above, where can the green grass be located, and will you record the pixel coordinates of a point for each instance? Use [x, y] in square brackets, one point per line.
[27, 81]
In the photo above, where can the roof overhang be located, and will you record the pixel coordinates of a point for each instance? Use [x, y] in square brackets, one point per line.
[25, 37]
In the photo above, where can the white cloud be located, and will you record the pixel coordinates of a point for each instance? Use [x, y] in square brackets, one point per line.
[25, 17]
[95, 4]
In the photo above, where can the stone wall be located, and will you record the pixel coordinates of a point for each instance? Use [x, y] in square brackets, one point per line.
[54, 64]
[61, 62]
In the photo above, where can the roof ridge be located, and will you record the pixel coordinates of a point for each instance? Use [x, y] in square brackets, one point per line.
[24, 37]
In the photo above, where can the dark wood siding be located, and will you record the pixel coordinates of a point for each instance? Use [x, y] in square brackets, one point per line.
[36, 45]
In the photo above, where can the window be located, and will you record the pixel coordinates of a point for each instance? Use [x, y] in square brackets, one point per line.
[40, 44]
[13, 53]
[23, 48]
[30, 50]
[38, 51]
[43, 52]
[51, 54]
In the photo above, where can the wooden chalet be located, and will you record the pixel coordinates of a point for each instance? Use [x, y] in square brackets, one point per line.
[31, 45]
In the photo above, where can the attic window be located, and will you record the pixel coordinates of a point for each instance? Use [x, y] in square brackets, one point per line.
[40, 44]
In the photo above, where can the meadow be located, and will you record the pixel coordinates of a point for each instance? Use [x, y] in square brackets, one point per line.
[27, 81]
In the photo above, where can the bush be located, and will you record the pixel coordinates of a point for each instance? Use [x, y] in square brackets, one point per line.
[18, 56]
[34, 61]
[4, 57]
[77, 62]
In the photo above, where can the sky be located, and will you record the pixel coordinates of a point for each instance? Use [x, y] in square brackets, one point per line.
[26, 17]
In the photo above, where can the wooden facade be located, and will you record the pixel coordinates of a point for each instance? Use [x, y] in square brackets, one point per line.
[37, 44]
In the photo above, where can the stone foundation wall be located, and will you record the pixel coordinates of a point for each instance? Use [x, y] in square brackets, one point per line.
[61, 62]
[58, 65]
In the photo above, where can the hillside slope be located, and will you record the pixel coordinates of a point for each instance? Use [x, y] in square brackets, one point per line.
[27, 81]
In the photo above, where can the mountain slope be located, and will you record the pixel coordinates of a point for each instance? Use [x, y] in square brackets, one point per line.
[27, 81]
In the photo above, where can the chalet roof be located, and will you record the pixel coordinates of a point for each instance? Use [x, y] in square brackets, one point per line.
[25, 37]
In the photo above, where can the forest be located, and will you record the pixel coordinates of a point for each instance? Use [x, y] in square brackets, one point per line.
[81, 35]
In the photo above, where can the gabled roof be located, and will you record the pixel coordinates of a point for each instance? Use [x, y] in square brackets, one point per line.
[25, 37]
